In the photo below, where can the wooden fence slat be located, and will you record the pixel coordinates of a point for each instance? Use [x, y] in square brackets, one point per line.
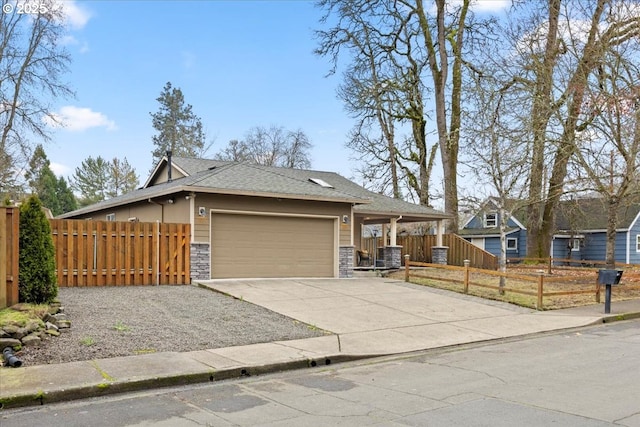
[100, 253]
[126, 250]
[419, 249]
[5, 269]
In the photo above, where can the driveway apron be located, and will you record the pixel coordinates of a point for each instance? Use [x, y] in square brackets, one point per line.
[384, 316]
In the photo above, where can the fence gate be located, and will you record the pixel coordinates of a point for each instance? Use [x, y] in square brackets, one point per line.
[104, 253]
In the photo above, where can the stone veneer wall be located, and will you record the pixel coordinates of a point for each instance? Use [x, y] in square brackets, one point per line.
[393, 256]
[439, 254]
[200, 261]
[345, 268]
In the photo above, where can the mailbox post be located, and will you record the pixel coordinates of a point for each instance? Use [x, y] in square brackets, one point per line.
[608, 278]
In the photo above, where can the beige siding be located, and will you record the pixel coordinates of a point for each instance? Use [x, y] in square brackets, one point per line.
[161, 175]
[261, 204]
[272, 246]
[145, 211]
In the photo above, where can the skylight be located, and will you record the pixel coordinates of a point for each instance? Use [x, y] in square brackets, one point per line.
[321, 182]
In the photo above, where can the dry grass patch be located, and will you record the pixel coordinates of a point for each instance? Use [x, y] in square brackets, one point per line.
[578, 281]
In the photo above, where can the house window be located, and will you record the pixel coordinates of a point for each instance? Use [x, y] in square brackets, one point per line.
[490, 220]
[512, 244]
[638, 243]
[111, 217]
[576, 245]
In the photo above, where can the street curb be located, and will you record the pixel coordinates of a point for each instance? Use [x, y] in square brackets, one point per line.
[209, 375]
[105, 388]
[620, 317]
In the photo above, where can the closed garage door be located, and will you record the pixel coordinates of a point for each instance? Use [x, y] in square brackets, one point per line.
[271, 246]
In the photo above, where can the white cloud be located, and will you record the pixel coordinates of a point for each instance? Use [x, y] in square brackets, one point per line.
[490, 5]
[77, 119]
[69, 40]
[75, 15]
[59, 169]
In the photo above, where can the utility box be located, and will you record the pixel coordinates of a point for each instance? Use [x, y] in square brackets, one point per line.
[609, 277]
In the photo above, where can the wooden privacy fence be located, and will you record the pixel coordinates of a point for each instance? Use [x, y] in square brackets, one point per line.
[419, 249]
[9, 242]
[102, 253]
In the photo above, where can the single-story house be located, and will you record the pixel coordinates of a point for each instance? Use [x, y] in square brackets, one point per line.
[255, 221]
[581, 226]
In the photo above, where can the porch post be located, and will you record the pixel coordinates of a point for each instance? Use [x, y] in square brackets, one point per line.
[439, 232]
[392, 237]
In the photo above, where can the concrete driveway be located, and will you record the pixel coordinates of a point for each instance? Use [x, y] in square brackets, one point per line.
[385, 316]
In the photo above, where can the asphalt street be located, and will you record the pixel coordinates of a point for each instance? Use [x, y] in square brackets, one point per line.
[582, 377]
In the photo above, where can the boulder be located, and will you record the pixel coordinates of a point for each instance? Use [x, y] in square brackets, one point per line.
[31, 339]
[52, 332]
[9, 342]
[10, 329]
[50, 326]
[63, 324]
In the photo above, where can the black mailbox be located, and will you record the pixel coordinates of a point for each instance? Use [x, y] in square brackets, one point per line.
[609, 277]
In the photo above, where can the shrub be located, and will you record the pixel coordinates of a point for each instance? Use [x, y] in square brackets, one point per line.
[37, 264]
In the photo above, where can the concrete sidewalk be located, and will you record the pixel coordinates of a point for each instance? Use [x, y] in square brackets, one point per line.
[368, 317]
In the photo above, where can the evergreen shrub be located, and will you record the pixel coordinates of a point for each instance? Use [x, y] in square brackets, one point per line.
[37, 283]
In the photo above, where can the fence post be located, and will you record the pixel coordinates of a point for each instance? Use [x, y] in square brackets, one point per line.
[158, 235]
[540, 290]
[406, 267]
[467, 263]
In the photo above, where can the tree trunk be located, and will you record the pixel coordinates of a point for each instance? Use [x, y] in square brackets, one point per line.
[612, 221]
[537, 245]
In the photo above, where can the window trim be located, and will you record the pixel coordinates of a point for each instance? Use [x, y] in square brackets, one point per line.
[111, 217]
[576, 244]
[512, 239]
[494, 220]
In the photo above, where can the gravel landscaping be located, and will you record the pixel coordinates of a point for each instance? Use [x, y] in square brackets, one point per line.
[129, 320]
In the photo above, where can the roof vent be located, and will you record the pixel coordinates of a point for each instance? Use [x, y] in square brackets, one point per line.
[321, 182]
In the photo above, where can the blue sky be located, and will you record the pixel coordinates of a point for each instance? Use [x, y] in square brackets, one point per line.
[239, 64]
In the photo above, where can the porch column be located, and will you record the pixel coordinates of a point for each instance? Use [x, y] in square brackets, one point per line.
[439, 232]
[392, 237]
[384, 234]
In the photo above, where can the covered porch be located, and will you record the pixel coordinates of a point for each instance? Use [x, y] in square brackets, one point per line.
[385, 227]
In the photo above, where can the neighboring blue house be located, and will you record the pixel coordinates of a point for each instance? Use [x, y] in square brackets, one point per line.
[483, 230]
[581, 226]
[588, 220]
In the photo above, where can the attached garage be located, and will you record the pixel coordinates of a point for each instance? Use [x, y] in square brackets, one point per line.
[261, 245]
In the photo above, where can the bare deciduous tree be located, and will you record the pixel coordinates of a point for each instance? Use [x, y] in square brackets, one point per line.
[607, 155]
[494, 151]
[32, 63]
[273, 146]
[557, 54]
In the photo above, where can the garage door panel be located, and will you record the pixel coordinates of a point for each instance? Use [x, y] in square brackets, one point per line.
[271, 246]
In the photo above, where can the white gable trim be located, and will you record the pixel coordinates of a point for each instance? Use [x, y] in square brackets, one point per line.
[633, 223]
[162, 161]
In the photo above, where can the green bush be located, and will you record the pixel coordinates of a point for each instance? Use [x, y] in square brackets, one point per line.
[37, 280]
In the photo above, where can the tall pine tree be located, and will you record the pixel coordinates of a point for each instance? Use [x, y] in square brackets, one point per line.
[178, 128]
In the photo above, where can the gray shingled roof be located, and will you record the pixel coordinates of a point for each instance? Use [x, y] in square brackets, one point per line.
[213, 176]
